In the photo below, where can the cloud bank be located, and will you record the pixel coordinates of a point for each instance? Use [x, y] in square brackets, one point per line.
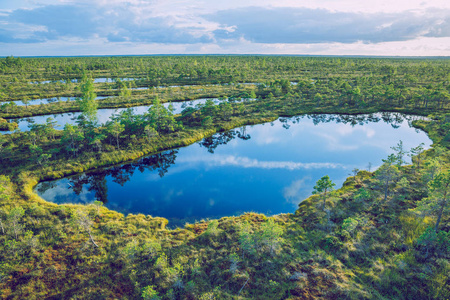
[304, 25]
[203, 27]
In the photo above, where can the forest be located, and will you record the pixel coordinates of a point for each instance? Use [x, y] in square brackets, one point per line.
[383, 234]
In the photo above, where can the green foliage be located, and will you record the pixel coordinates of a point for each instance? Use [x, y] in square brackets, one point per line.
[150, 132]
[400, 153]
[403, 183]
[387, 174]
[131, 249]
[88, 105]
[265, 239]
[234, 260]
[150, 293]
[432, 167]
[5, 184]
[115, 129]
[98, 204]
[161, 119]
[246, 238]
[161, 262]
[362, 195]
[14, 217]
[71, 138]
[44, 249]
[151, 248]
[207, 121]
[350, 225]
[81, 221]
[44, 158]
[416, 154]
[435, 242]
[437, 202]
[323, 185]
[268, 237]
[211, 295]
[212, 229]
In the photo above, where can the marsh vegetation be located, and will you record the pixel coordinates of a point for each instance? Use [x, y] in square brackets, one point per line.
[382, 232]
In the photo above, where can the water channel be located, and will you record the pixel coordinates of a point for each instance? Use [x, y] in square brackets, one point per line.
[46, 100]
[95, 80]
[40, 101]
[103, 115]
[267, 168]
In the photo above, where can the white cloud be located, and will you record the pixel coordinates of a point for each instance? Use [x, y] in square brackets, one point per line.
[306, 25]
[50, 27]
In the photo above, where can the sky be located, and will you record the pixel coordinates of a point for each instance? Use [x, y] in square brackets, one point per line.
[139, 27]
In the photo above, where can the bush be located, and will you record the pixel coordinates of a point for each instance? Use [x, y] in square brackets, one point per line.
[432, 243]
[149, 293]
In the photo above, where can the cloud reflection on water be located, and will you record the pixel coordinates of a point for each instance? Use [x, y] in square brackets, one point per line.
[246, 162]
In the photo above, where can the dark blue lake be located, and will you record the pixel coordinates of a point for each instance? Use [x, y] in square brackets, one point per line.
[268, 168]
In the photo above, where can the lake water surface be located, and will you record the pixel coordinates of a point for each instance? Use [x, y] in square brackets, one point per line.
[268, 168]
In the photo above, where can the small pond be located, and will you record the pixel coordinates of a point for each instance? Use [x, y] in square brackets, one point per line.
[96, 80]
[268, 168]
[103, 115]
[110, 80]
[46, 100]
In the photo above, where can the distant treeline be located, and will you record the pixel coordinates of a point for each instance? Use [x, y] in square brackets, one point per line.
[20, 75]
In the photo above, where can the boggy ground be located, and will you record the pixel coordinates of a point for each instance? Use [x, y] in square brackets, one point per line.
[361, 246]
[374, 238]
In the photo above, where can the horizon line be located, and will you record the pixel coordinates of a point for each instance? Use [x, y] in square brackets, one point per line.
[219, 54]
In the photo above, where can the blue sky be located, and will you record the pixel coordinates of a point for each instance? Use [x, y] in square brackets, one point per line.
[317, 27]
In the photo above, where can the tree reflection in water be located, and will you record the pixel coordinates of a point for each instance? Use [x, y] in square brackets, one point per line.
[96, 180]
[394, 119]
[222, 138]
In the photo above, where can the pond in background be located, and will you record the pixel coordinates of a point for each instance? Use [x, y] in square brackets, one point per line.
[267, 168]
[47, 100]
[103, 114]
[96, 80]
[110, 80]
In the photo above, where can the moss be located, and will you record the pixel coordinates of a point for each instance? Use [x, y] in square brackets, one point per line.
[53, 256]
[8, 126]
